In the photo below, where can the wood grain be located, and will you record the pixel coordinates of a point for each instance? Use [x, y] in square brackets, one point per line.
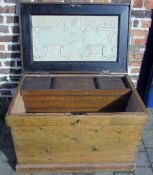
[73, 98]
[73, 92]
[85, 168]
[135, 101]
[76, 143]
[117, 108]
[76, 103]
[85, 120]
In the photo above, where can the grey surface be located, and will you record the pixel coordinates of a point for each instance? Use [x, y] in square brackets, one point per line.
[144, 156]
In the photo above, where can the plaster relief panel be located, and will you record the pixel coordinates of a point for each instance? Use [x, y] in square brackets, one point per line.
[75, 38]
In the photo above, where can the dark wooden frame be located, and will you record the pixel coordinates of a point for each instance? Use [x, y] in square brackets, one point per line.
[26, 10]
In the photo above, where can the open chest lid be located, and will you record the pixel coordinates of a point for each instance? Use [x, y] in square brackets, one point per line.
[74, 37]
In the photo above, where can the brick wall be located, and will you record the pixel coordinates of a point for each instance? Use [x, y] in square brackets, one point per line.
[10, 65]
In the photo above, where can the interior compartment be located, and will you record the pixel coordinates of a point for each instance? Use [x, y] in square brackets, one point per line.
[133, 105]
[74, 83]
[75, 94]
[122, 98]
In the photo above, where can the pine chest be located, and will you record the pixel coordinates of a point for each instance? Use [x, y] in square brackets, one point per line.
[76, 109]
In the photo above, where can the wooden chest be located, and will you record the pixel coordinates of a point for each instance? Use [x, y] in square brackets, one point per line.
[76, 109]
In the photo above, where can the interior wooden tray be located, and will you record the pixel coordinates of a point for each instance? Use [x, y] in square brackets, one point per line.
[127, 101]
[75, 94]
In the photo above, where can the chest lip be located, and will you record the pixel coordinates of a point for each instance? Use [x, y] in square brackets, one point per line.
[29, 65]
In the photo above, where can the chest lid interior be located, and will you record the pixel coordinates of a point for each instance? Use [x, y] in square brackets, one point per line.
[74, 38]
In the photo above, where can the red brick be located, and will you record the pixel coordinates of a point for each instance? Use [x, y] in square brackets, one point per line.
[7, 85]
[141, 13]
[14, 47]
[136, 55]
[131, 55]
[5, 38]
[135, 64]
[1, 19]
[3, 29]
[12, 19]
[9, 55]
[137, 3]
[148, 4]
[146, 24]
[139, 56]
[139, 41]
[9, 63]
[8, 38]
[15, 29]
[135, 23]
[136, 32]
[7, 9]
[2, 48]
[5, 92]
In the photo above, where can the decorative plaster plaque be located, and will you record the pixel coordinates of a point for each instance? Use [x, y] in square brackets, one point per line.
[75, 38]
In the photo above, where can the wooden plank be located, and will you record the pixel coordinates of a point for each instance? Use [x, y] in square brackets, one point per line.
[74, 83]
[115, 108]
[76, 144]
[72, 98]
[113, 100]
[76, 103]
[80, 74]
[95, 119]
[133, 105]
[61, 110]
[77, 168]
[136, 96]
[111, 83]
[17, 103]
[73, 92]
[36, 83]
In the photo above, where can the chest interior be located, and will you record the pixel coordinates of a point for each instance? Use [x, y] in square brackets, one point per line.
[77, 94]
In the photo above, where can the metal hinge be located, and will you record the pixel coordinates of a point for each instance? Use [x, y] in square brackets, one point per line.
[105, 72]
